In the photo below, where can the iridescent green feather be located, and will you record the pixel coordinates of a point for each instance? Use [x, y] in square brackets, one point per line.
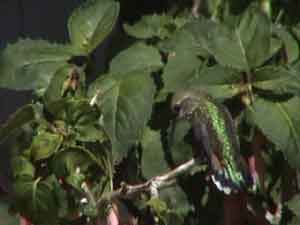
[229, 148]
[201, 109]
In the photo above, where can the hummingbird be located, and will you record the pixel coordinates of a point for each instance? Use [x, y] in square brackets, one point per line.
[214, 131]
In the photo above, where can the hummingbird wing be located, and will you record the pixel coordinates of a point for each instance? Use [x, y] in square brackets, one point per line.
[203, 139]
[223, 156]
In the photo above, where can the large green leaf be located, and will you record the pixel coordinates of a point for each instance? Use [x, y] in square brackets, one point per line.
[153, 157]
[67, 161]
[219, 81]
[280, 122]
[74, 163]
[254, 37]
[21, 117]
[60, 196]
[126, 102]
[294, 205]
[176, 199]
[87, 127]
[172, 206]
[180, 68]
[5, 217]
[36, 200]
[184, 39]
[294, 221]
[22, 167]
[137, 57]
[45, 144]
[244, 47]
[180, 149]
[69, 109]
[150, 26]
[278, 80]
[291, 46]
[182, 62]
[80, 116]
[30, 64]
[91, 23]
[276, 45]
[221, 42]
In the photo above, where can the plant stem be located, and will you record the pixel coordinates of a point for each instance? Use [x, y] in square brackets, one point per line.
[89, 194]
[215, 14]
[158, 182]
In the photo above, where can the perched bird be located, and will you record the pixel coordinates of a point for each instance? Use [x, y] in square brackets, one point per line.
[213, 127]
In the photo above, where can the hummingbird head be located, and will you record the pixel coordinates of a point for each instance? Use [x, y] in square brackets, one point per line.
[184, 103]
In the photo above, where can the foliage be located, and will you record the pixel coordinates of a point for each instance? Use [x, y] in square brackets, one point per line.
[78, 141]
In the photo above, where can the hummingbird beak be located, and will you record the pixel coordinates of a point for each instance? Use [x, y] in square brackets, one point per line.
[181, 115]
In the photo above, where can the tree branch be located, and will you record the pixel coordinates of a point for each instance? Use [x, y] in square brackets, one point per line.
[151, 186]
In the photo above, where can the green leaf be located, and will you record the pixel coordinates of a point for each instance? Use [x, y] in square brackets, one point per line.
[153, 158]
[184, 69]
[290, 43]
[183, 40]
[6, 217]
[150, 26]
[67, 161]
[276, 45]
[294, 221]
[180, 67]
[277, 79]
[220, 82]
[35, 199]
[126, 103]
[21, 117]
[70, 109]
[87, 127]
[30, 64]
[180, 150]
[221, 42]
[60, 195]
[296, 30]
[45, 144]
[81, 117]
[254, 36]
[176, 200]
[137, 57]
[294, 205]
[280, 123]
[91, 23]
[244, 47]
[172, 205]
[158, 205]
[22, 167]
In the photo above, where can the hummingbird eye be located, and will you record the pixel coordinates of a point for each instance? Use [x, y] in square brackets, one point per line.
[176, 108]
